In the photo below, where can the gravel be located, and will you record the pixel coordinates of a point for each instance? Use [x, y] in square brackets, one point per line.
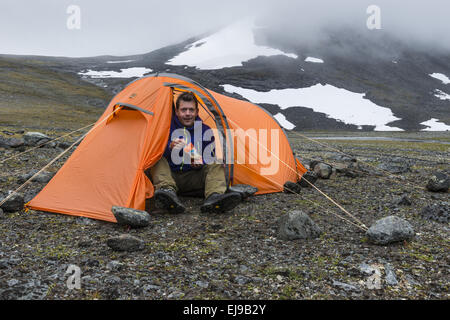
[238, 255]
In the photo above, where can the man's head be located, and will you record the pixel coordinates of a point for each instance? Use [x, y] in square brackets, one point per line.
[186, 109]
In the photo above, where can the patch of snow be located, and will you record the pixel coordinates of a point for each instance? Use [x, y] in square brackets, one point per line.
[393, 61]
[283, 121]
[441, 95]
[435, 125]
[124, 73]
[337, 103]
[117, 61]
[314, 60]
[228, 47]
[441, 77]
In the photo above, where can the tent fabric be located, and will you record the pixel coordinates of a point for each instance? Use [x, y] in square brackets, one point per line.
[107, 168]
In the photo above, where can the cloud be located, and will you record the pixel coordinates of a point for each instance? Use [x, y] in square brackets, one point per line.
[132, 27]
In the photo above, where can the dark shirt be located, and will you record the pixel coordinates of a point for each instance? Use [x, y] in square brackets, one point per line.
[195, 135]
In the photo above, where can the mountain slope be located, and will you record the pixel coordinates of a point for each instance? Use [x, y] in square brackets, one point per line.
[353, 70]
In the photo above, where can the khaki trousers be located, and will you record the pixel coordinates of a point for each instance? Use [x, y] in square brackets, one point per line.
[208, 179]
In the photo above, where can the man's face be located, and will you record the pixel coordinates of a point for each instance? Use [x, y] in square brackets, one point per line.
[186, 113]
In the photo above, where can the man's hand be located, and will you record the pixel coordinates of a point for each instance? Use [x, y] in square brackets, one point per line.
[177, 144]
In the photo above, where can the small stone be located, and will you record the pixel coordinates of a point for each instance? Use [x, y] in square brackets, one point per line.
[310, 176]
[125, 243]
[131, 217]
[391, 279]
[202, 284]
[389, 230]
[176, 295]
[12, 282]
[13, 204]
[291, 187]
[114, 265]
[403, 201]
[345, 286]
[297, 225]
[395, 168]
[439, 182]
[241, 280]
[366, 269]
[439, 212]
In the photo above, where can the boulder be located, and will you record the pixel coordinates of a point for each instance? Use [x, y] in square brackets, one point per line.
[35, 138]
[125, 243]
[322, 169]
[389, 230]
[439, 182]
[13, 204]
[131, 217]
[11, 142]
[297, 225]
[291, 187]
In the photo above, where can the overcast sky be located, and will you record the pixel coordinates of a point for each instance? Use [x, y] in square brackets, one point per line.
[131, 27]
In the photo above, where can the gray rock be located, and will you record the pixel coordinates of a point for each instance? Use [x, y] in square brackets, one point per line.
[366, 269]
[244, 189]
[439, 182]
[403, 201]
[125, 243]
[395, 168]
[132, 217]
[12, 282]
[1, 213]
[202, 284]
[42, 177]
[11, 142]
[150, 287]
[439, 211]
[391, 279]
[322, 169]
[389, 230]
[114, 265]
[345, 286]
[13, 204]
[311, 176]
[291, 187]
[242, 280]
[176, 295]
[35, 138]
[297, 225]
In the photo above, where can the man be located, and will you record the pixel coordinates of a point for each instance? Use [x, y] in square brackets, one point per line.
[183, 167]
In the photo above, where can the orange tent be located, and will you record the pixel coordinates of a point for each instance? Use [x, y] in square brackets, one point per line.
[107, 168]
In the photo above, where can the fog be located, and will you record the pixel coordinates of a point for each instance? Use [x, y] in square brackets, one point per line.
[40, 27]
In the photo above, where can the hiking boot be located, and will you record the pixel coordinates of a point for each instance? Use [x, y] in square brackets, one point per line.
[221, 202]
[169, 199]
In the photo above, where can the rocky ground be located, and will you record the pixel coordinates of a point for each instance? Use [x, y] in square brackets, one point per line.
[240, 254]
